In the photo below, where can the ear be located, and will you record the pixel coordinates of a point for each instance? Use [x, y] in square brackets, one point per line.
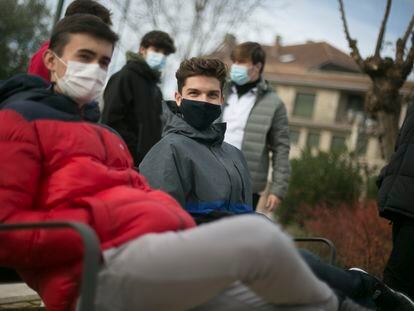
[50, 60]
[142, 51]
[178, 98]
[259, 66]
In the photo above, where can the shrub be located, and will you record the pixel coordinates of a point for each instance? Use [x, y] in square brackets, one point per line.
[325, 178]
[361, 237]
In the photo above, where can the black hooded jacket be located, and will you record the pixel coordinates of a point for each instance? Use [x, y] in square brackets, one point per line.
[396, 181]
[132, 106]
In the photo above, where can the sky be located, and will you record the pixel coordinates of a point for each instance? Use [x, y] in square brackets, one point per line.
[319, 20]
[296, 21]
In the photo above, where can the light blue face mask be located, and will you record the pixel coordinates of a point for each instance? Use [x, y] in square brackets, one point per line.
[156, 60]
[239, 74]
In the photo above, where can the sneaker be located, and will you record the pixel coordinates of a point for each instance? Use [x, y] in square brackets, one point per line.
[386, 298]
[349, 305]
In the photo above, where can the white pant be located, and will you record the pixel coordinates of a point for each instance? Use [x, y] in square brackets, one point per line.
[238, 263]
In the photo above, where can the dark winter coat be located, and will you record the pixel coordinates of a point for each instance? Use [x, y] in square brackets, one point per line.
[132, 106]
[396, 181]
[207, 176]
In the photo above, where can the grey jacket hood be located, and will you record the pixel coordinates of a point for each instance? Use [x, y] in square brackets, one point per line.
[174, 123]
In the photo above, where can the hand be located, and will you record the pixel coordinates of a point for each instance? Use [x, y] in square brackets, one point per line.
[272, 202]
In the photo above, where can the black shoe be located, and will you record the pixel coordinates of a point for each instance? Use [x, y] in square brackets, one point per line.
[386, 298]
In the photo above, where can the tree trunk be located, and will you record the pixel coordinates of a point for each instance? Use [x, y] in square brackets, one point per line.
[388, 132]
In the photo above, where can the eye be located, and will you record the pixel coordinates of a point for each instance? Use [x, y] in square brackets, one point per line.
[104, 64]
[84, 57]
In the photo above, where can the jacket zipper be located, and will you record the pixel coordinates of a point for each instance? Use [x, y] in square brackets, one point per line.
[228, 176]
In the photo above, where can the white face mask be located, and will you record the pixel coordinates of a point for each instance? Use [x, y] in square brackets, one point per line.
[81, 82]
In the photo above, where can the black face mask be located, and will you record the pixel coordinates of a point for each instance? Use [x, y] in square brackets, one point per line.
[199, 114]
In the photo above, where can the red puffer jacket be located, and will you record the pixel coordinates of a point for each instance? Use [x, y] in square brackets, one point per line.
[53, 167]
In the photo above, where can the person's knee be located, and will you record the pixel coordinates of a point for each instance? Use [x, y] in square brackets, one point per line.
[266, 236]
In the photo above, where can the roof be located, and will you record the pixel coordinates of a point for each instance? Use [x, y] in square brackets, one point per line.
[310, 56]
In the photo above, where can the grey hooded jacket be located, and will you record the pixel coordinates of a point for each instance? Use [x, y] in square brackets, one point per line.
[267, 130]
[204, 174]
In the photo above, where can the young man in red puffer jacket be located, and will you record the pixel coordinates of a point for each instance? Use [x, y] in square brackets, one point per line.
[56, 166]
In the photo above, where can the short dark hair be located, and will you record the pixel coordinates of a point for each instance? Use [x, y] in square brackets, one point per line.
[197, 66]
[89, 7]
[250, 51]
[79, 23]
[158, 39]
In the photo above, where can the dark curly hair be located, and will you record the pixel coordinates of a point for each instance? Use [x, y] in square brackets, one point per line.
[79, 24]
[197, 66]
[160, 40]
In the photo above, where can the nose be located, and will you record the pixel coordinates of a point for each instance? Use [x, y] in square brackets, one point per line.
[203, 97]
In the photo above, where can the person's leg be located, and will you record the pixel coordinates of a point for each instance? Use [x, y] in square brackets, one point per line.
[399, 271]
[349, 283]
[181, 270]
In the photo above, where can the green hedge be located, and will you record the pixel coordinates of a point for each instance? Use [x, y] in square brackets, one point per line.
[322, 178]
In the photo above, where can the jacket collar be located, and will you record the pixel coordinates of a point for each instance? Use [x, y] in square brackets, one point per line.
[35, 89]
[262, 87]
[142, 67]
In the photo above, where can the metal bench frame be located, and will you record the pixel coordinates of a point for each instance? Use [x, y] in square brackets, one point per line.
[90, 261]
[329, 243]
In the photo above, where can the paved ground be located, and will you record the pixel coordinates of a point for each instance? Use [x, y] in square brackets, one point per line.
[15, 297]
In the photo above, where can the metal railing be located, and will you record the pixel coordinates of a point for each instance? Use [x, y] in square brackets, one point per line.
[90, 260]
[331, 246]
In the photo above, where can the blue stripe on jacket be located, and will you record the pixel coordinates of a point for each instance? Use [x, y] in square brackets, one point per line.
[203, 208]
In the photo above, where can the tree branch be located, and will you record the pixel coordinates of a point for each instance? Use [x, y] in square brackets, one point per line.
[409, 30]
[409, 61]
[401, 42]
[352, 42]
[382, 29]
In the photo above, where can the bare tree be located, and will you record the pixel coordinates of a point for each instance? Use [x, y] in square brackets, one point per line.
[383, 100]
[197, 26]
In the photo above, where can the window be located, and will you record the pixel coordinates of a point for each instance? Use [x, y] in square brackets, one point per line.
[355, 103]
[313, 140]
[338, 143]
[294, 136]
[355, 108]
[304, 104]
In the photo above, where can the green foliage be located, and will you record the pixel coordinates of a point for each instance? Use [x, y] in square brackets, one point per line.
[23, 28]
[325, 178]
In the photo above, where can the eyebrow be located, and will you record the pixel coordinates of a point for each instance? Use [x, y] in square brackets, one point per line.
[198, 90]
[92, 53]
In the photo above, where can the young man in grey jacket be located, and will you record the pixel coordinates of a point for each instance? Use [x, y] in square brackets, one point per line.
[207, 176]
[257, 123]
